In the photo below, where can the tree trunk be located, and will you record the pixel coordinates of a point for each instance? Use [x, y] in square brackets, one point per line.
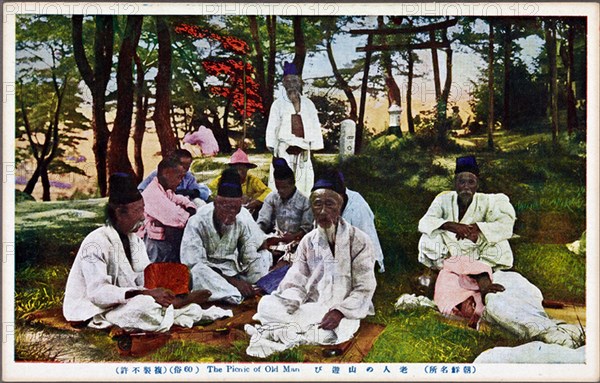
[550, 32]
[409, 116]
[33, 180]
[141, 110]
[299, 44]
[506, 122]
[118, 160]
[490, 140]
[567, 57]
[96, 80]
[393, 91]
[363, 100]
[220, 132]
[436, 67]
[342, 83]
[45, 182]
[163, 89]
[272, 32]
[259, 63]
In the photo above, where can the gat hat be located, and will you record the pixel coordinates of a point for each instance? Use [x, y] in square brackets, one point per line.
[289, 68]
[229, 184]
[239, 157]
[122, 189]
[331, 179]
[281, 170]
[467, 164]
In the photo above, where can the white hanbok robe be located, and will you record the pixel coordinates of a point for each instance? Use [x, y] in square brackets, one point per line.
[318, 282]
[101, 275]
[358, 213]
[518, 309]
[234, 254]
[279, 137]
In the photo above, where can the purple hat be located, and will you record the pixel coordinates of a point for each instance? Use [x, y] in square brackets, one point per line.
[332, 179]
[281, 169]
[289, 68]
[229, 184]
[467, 164]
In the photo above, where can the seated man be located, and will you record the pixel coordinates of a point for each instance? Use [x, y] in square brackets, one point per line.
[465, 235]
[220, 245]
[189, 187]
[106, 282]
[166, 213]
[356, 211]
[285, 212]
[328, 289]
[254, 191]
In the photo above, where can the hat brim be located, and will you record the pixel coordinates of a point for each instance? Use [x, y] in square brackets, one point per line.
[248, 164]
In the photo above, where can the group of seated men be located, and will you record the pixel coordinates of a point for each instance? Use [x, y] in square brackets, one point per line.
[321, 287]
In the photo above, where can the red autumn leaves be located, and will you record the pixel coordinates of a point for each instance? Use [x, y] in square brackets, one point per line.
[230, 70]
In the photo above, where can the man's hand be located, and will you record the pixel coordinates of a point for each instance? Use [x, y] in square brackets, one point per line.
[462, 231]
[253, 205]
[294, 150]
[245, 288]
[331, 320]
[161, 296]
[290, 237]
[486, 286]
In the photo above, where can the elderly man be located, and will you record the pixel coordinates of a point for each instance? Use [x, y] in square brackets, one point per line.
[189, 187]
[294, 130]
[105, 286]
[465, 236]
[166, 212]
[220, 245]
[328, 289]
[356, 211]
[254, 191]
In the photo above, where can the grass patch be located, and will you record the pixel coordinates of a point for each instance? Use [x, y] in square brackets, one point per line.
[557, 272]
[422, 335]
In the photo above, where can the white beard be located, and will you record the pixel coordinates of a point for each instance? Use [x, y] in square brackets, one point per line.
[328, 233]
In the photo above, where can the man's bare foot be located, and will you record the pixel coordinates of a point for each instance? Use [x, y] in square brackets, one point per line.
[198, 297]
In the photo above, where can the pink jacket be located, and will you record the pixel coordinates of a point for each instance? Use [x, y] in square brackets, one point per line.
[164, 208]
[454, 286]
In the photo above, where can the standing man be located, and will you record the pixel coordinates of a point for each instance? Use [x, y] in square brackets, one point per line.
[189, 187]
[220, 245]
[328, 289]
[166, 212]
[465, 236]
[294, 130]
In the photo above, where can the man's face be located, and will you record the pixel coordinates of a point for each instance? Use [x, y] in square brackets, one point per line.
[326, 207]
[466, 185]
[242, 171]
[186, 162]
[130, 217]
[171, 177]
[285, 188]
[292, 84]
[226, 209]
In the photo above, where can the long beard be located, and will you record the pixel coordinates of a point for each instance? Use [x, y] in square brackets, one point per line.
[328, 233]
[137, 226]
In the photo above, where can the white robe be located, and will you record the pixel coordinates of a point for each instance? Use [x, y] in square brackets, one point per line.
[279, 137]
[518, 309]
[316, 283]
[101, 275]
[358, 213]
[233, 254]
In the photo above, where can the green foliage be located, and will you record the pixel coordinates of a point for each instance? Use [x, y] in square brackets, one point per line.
[556, 271]
[332, 111]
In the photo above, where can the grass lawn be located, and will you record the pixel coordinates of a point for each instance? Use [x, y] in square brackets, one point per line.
[399, 180]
